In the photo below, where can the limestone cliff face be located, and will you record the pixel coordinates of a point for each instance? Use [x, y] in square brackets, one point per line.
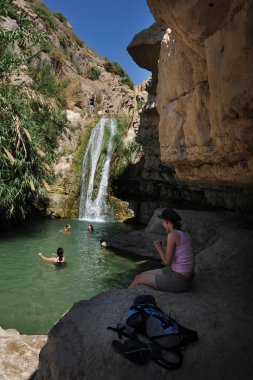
[203, 103]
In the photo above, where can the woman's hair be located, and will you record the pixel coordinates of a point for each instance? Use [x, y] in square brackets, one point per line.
[171, 215]
[60, 253]
[177, 225]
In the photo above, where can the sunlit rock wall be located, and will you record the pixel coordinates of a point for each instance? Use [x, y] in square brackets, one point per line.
[204, 90]
[203, 79]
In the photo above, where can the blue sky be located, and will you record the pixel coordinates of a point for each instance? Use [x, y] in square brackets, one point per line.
[108, 26]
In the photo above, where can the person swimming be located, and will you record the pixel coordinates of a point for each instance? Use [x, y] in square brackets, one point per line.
[67, 228]
[58, 261]
[90, 228]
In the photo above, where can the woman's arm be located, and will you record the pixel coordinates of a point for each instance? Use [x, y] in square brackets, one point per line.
[167, 255]
[52, 259]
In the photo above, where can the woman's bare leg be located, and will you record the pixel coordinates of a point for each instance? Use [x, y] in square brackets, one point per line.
[146, 278]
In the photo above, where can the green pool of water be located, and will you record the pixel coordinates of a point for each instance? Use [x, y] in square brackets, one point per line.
[34, 293]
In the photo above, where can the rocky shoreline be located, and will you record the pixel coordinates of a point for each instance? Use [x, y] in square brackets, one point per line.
[219, 307]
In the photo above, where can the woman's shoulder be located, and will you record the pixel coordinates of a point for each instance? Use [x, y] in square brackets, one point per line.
[185, 236]
[178, 232]
[182, 232]
[173, 235]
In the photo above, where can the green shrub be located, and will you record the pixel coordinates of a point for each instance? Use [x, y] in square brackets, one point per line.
[79, 68]
[29, 133]
[58, 57]
[140, 104]
[44, 13]
[127, 82]
[61, 18]
[93, 73]
[7, 8]
[114, 68]
[77, 40]
[124, 153]
[46, 47]
[46, 82]
[64, 41]
[25, 34]
[123, 124]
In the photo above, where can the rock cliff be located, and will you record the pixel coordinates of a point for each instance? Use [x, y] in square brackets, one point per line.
[196, 127]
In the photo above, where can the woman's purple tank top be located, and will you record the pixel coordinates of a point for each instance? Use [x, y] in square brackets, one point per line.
[183, 260]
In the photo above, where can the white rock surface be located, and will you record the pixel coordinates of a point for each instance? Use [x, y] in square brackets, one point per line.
[19, 354]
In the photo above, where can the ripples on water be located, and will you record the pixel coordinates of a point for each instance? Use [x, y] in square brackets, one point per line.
[34, 293]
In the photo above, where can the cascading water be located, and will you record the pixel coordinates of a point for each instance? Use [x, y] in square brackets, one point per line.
[95, 208]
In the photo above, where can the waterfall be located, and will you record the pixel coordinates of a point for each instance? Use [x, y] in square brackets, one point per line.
[90, 208]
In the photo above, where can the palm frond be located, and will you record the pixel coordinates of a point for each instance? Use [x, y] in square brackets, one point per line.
[46, 185]
[9, 155]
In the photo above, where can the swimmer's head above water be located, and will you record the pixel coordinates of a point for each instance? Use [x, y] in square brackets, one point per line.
[67, 228]
[60, 253]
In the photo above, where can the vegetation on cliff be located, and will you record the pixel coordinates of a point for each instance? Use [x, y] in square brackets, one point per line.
[30, 122]
[115, 68]
[125, 152]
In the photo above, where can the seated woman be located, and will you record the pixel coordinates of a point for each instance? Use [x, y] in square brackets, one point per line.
[59, 260]
[177, 256]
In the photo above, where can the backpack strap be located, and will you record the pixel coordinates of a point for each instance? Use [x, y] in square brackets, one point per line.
[121, 331]
[139, 349]
[168, 364]
[142, 352]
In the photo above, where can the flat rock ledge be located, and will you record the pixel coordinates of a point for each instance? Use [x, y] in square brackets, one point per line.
[19, 354]
[219, 307]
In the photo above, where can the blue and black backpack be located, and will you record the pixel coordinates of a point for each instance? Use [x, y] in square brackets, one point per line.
[160, 332]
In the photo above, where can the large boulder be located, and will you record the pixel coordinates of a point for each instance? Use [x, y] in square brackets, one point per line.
[205, 228]
[79, 345]
[145, 46]
[219, 307]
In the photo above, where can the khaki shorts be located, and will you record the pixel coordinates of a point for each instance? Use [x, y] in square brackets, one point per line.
[172, 281]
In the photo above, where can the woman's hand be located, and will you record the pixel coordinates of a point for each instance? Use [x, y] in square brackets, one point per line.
[157, 244]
